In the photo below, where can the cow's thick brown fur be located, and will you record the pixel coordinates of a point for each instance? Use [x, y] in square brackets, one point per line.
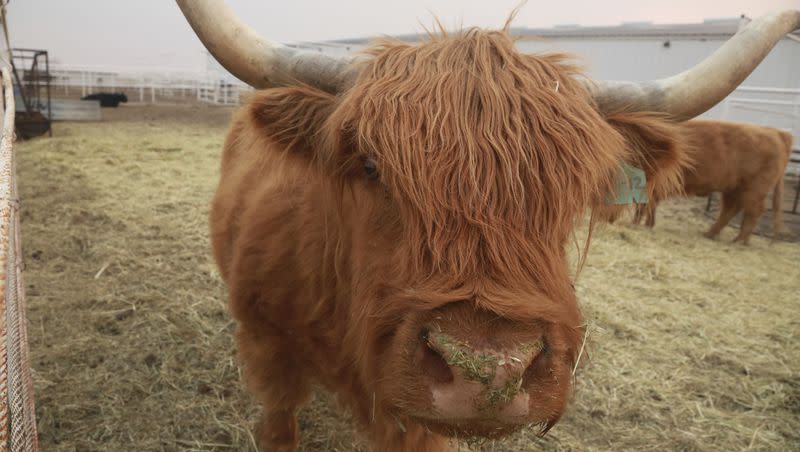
[486, 158]
[744, 162]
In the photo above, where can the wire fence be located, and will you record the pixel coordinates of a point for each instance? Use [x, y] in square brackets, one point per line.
[17, 414]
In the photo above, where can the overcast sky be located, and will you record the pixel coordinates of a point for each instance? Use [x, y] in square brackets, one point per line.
[153, 33]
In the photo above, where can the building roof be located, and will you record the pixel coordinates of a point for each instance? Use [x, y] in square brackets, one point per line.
[722, 28]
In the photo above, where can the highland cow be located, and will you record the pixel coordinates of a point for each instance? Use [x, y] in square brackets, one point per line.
[744, 162]
[394, 226]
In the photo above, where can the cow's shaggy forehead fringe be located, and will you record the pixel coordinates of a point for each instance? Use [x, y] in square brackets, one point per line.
[490, 154]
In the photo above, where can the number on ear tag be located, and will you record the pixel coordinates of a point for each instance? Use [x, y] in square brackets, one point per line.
[631, 186]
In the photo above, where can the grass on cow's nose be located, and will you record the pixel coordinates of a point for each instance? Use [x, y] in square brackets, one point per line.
[478, 366]
[503, 394]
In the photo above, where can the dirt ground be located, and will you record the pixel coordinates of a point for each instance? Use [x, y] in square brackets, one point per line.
[693, 343]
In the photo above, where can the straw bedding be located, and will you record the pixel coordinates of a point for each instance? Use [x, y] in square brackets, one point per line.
[693, 344]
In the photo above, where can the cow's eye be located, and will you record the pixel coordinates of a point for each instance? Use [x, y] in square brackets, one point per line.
[370, 168]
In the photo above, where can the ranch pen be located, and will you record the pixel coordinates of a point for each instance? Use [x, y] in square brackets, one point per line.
[17, 418]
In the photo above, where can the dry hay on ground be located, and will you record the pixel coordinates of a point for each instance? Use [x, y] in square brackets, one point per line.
[693, 343]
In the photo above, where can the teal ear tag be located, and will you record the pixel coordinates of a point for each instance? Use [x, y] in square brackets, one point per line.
[631, 186]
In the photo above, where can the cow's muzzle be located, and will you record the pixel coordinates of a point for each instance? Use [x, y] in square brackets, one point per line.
[468, 382]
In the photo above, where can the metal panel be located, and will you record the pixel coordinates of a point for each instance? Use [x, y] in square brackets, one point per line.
[76, 110]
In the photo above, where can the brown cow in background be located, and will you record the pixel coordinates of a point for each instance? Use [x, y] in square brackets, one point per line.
[395, 228]
[742, 161]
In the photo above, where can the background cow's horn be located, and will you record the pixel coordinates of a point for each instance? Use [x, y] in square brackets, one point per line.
[255, 60]
[699, 88]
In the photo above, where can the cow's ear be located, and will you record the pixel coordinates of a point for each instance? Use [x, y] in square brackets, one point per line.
[655, 145]
[292, 117]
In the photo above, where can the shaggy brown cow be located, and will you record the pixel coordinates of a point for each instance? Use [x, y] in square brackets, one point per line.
[395, 228]
[743, 161]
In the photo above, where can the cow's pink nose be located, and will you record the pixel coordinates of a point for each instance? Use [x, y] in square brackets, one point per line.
[470, 382]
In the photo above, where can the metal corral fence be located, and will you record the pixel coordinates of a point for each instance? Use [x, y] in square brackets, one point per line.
[17, 416]
[774, 107]
[149, 87]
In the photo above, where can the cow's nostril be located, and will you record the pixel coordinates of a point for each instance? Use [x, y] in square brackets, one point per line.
[535, 369]
[433, 365]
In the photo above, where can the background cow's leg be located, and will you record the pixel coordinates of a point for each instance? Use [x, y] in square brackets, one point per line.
[637, 215]
[272, 375]
[651, 215]
[650, 211]
[753, 206]
[731, 204]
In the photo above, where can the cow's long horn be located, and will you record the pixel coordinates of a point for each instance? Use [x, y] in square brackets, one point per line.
[699, 88]
[255, 60]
